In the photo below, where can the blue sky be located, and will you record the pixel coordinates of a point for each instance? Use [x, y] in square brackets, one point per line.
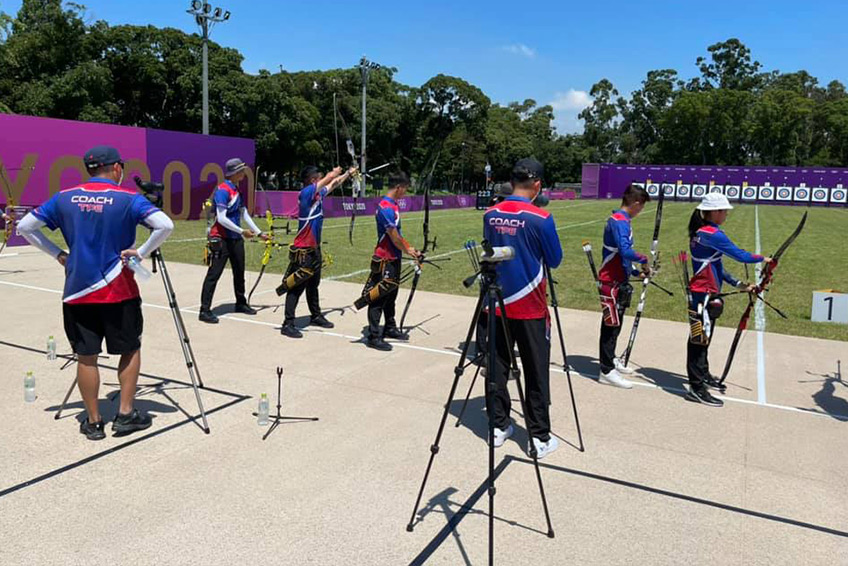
[551, 51]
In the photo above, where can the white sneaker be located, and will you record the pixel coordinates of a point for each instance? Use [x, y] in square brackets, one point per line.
[545, 448]
[622, 369]
[502, 435]
[615, 379]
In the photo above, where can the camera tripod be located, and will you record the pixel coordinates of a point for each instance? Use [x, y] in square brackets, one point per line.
[188, 353]
[477, 359]
[278, 418]
[491, 297]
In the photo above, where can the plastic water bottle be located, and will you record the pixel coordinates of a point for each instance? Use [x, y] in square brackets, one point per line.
[29, 387]
[51, 349]
[262, 413]
[142, 273]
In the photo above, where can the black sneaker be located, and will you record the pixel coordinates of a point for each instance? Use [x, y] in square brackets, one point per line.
[321, 321]
[395, 334]
[126, 424]
[713, 383]
[703, 396]
[208, 317]
[92, 431]
[378, 344]
[291, 331]
[245, 309]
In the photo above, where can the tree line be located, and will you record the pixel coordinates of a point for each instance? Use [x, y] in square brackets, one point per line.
[55, 62]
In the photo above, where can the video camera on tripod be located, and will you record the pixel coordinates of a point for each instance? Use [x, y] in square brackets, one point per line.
[153, 192]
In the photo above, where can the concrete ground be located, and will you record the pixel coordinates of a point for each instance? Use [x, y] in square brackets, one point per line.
[662, 481]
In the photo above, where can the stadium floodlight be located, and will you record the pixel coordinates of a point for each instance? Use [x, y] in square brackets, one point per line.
[206, 17]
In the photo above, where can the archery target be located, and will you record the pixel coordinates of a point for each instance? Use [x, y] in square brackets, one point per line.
[820, 194]
[717, 189]
[683, 191]
[653, 190]
[749, 193]
[838, 195]
[669, 190]
[638, 185]
[699, 191]
[802, 194]
[784, 193]
[731, 191]
[766, 193]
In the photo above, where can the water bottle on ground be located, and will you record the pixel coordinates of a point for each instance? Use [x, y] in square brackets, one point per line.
[51, 348]
[262, 413]
[142, 273]
[29, 387]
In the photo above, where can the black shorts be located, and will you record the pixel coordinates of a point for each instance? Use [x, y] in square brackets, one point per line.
[119, 323]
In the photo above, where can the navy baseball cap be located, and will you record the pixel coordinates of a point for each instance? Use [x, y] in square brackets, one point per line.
[527, 169]
[100, 156]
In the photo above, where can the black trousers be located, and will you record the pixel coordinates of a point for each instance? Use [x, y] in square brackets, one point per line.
[231, 250]
[698, 345]
[386, 304]
[609, 342]
[313, 301]
[534, 346]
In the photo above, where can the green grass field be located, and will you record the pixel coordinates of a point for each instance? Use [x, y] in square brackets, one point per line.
[815, 261]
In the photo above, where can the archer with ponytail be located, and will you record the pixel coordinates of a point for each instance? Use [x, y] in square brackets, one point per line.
[707, 244]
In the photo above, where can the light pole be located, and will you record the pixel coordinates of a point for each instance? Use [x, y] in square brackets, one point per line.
[206, 18]
[365, 67]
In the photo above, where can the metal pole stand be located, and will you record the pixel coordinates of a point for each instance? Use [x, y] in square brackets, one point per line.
[278, 418]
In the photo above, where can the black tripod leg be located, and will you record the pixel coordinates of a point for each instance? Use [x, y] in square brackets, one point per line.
[492, 371]
[467, 397]
[65, 400]
[555, 306]
[532, 447]
[458, 370]
[568, 376]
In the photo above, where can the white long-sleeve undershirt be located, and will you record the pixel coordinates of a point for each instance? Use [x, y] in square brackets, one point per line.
[221, 216]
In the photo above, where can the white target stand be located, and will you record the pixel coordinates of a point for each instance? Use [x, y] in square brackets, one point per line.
[830, 306]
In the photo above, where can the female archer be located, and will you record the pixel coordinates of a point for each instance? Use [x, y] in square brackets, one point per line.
[707, 244]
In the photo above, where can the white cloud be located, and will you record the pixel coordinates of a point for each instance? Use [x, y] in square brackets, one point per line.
[567, 105]
[520, 49]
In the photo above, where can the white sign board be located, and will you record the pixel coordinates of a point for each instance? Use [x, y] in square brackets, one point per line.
[830, 307]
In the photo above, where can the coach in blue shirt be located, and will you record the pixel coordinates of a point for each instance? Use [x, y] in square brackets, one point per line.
[98, 220]
[516, 222]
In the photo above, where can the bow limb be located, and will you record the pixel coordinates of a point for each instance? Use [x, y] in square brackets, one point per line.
[765, 280]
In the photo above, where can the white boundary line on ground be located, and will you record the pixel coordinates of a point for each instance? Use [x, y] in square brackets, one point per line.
[455, 354]
[760, 318]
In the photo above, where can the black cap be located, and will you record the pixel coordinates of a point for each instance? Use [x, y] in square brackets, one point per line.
[101, 155]
[527, 169]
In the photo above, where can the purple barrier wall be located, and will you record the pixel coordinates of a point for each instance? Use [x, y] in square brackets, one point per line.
[41, 156]
[775, 185]
[284, 203]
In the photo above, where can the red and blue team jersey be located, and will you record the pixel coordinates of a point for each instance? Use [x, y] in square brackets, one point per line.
[98, 221]
[618, 253]
[227, 195]
[531, 231]
[310, 220]
[387, 216]
[707, 247]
